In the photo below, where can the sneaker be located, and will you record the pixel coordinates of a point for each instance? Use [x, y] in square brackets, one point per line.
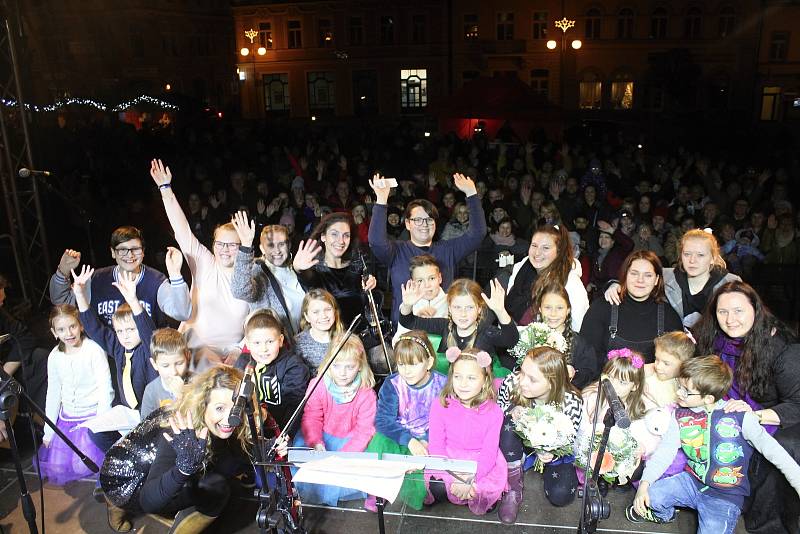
[635, 517]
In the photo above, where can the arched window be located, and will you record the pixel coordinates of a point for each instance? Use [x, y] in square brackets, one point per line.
[693, 23]
[593, 17]
[658, 24]
[727, 21]
[591, 91]
[625, 24]
[622, 91]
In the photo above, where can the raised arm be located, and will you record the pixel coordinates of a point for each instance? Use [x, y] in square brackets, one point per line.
[173, 295]
[381, 245]
[60, 290]
[469, 242]
[245, 286]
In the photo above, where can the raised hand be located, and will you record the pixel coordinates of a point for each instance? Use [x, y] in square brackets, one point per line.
[69, 261]
[306, 255]
[261, 206]
[174, 261]
[246, 229]
[612, 294]
[126, 283]
[382, 190]
[82, 278]
[496, 301]
[190, 447]
[412, 293]
[161, 174]
[465, 184]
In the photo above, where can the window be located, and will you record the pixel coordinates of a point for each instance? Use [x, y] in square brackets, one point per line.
[778, 46]
[413, 88]
[325, 33]
[295, 34]
[592, 24]
[769, 103]
[419, 28]
[540, 81]
[276, 92]
[356, 31]
[655, 97]
[470, 26]
[505, 26]
[727, 21]
[387, 29]
[658, 24]
[265, 34]
[137, 44]
[321, 91]
[622, 94]
[693, 24]
[365, 92]
[469, 75]
[591, 90]
[625, 24]
[539, 30]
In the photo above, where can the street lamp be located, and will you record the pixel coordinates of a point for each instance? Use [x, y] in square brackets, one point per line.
[564, 24]
[246, 51]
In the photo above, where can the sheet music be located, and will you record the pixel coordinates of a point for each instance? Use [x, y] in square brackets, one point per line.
[119, 418]
[375, 477]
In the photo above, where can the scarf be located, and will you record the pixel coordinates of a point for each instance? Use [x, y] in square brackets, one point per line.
[343, 394]
[503, 241]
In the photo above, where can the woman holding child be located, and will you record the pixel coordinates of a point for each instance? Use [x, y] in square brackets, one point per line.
[765, 359]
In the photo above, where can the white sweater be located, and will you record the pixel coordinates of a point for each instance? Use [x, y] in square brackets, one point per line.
[77, 383]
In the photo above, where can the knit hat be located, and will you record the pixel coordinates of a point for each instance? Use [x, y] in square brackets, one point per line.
[298, 183]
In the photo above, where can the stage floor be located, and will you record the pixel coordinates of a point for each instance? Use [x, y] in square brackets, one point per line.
[72, 510]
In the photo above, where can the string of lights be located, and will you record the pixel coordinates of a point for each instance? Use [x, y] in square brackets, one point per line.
[91, 103]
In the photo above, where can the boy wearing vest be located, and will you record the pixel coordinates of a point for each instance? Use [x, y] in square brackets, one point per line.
[718, 446]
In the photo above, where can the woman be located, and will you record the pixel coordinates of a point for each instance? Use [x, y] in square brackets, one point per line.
[613, 247]
[341, 269]
[505, 241]
[458, 224]
[700, 272]
[641, 316]
[550, 258]
[180, 460]
[765, 360]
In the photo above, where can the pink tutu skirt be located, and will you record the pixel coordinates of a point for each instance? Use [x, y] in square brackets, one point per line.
[59, 464]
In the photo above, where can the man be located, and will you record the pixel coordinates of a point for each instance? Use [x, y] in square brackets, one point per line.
[160, 297]
[268, 282]
[420, 221]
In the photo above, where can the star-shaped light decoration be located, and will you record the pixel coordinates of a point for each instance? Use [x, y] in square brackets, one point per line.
[564, 24]
[252, 34]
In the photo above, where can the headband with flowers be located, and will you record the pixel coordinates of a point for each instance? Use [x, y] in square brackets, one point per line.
[635, 359]
[419, 342]
[483, 358]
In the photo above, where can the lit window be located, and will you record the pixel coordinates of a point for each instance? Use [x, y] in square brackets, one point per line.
[325, 33]
[622, 94]
[770, 97]
[413, 88]
[591, 90]
[470, 27]
[265, 34]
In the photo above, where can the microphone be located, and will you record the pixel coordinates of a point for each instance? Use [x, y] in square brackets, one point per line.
[26, 173]
[243, 394]
[617, 408]
[4, 338]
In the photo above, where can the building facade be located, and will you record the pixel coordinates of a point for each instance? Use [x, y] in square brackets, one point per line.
[777, 88]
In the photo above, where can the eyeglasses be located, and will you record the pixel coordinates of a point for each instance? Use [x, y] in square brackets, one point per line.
[422, 221]
[683, 392]
[226, 246]
[122, 251]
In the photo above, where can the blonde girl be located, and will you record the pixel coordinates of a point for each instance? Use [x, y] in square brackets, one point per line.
[78, 388]
[470, 323]
[701, 270]
[319, 322]
[542, 378]
[339, 415]
[465, 424]
[404, 406]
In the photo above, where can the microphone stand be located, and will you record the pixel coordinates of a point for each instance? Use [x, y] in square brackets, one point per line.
[594, 506]
[10, 390]
[375, 317]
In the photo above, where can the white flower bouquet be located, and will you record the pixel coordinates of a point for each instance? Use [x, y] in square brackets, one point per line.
[621, 457]
[545, 428]
[537, 335]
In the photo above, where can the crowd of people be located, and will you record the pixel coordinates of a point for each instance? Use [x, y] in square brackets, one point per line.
[638, 268]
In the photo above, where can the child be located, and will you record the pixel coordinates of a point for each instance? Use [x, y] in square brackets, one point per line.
[625, 371]
[78, 388]
[542, 378]
[128, 343]
[718, 446]
[319, 322]
[281, 376]
[661, 378]
[469, 324]
[169, 356]
[404, 406]
[339, 415]
[425, 271]
[465, 424]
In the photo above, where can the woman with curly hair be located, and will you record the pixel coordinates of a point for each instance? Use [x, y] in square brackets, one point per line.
[180, 460]
[765, 359]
